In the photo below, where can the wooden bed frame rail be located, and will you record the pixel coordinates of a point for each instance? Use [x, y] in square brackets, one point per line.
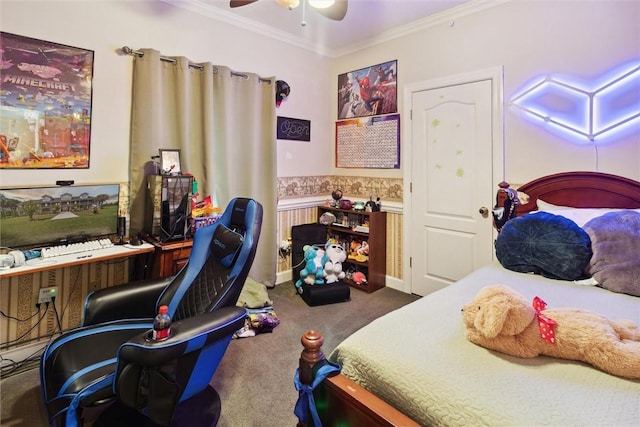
[339, 400]
[579, 189]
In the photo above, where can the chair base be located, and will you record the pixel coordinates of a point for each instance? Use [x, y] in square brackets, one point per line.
[202, 410]
[325, 294]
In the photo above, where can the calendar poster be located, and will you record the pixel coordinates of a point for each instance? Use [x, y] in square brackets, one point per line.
[368, 142]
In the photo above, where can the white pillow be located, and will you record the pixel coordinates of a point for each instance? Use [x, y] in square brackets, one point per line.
[546, 206]
[578, 215]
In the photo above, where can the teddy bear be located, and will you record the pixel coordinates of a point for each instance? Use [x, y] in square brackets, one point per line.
[501, 319]
[313, 271]
[335, 256]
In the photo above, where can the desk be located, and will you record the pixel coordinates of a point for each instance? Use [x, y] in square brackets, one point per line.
[169, 257]
[36, 265]
[74, 276]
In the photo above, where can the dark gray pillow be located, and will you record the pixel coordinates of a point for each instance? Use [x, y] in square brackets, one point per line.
[546, 244]
[615, 241]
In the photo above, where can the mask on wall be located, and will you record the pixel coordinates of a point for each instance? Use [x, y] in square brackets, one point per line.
[282, 91]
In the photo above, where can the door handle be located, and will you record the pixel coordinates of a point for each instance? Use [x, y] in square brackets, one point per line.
[484, 212]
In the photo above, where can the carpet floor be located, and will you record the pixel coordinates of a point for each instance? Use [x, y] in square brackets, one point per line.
[255, 378]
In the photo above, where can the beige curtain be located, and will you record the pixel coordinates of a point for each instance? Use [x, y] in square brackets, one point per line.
[223, 122]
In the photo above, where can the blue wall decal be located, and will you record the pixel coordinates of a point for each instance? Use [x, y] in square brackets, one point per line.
[588, 111]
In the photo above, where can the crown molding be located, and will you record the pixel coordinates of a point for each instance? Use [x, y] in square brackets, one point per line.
[447, 16]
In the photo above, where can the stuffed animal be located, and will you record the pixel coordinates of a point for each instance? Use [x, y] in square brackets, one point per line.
[314, 259]
[363, 252]
[335, 256]
[359, 251]
[501, 319]
[359, 278]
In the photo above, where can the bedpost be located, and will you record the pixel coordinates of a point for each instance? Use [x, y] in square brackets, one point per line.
[501, 194]
[343, 401]
[506, 205]
[310, 356]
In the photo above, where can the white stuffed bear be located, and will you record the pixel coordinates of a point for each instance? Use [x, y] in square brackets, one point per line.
[335, 256]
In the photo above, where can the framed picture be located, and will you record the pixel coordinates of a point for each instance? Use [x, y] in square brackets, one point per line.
[370, 91]
[170, 162]
[45, 108]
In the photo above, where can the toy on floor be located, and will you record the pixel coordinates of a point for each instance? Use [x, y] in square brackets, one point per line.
[500, 319]
[258, 321]
[335, 255]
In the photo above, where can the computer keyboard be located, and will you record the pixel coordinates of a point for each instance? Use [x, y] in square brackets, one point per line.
[76, 248]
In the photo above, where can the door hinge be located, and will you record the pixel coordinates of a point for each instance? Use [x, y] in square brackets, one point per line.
[410, 114]
[411, 187]
[410, 262]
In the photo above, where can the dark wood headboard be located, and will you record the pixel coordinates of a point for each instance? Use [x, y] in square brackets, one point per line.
[575, 189]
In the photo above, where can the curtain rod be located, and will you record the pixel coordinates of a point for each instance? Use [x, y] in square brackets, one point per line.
[127, 50]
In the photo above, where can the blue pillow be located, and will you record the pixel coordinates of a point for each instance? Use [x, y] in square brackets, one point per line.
[546, 244]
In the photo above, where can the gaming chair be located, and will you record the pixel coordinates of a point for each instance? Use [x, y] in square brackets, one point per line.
[110, 359]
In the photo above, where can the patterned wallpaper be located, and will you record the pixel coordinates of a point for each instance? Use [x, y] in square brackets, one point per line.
[388, 189]
[18, 295]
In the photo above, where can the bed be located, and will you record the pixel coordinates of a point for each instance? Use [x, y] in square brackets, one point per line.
[414, 366]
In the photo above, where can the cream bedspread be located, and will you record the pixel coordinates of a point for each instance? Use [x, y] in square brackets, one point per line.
[418, 359]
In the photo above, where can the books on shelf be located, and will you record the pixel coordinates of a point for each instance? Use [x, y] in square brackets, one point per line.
[357, 228]
[361, 229]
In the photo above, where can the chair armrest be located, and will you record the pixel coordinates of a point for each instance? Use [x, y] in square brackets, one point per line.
[134, 300]
[187, 335]
[152, 377]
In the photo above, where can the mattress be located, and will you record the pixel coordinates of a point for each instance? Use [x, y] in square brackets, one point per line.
[418, 359]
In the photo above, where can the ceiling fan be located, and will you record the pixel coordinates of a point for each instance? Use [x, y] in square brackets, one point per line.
[332, 9]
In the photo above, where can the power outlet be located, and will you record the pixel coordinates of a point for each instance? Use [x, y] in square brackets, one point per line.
[47, 294]
[285, 248]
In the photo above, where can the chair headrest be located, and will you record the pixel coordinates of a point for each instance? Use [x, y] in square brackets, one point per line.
[238, 212]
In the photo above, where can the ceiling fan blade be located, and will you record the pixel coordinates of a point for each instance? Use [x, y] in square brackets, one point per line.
[238, 3]
[336, 12]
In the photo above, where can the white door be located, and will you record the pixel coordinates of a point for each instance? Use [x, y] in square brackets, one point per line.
[452, 181]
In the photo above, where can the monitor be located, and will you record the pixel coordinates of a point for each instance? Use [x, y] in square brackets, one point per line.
[37, 217]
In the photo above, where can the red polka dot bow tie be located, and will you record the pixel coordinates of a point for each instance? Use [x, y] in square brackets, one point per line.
[546, 324]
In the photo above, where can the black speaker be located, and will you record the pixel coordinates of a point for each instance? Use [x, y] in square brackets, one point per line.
[169, 207]
[122, 229]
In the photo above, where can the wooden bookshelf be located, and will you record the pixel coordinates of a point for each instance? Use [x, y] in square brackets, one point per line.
[350, 226]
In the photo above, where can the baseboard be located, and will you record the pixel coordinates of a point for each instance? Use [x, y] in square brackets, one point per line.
[395, 283]
[18, 354]
[283, 276]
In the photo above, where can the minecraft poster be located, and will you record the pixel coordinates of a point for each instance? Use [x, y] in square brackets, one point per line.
[45, 104]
